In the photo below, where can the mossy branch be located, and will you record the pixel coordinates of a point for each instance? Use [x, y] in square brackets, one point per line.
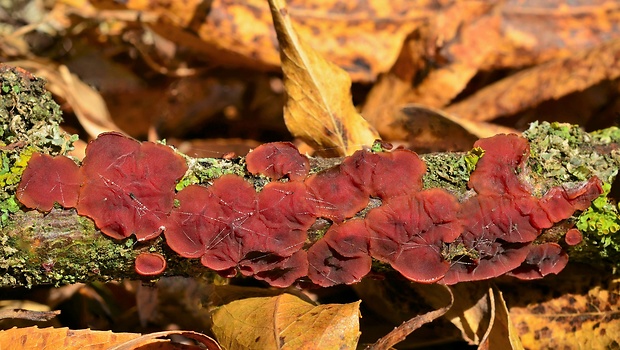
[61, 247]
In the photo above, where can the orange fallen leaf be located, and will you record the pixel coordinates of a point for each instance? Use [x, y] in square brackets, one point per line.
[550, 80]
[67, 339]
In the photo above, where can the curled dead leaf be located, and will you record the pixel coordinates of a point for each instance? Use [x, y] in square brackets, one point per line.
[319, 107]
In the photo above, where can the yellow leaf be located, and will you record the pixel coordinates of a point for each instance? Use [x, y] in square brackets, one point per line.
[502, 333]
[286, 322]
[577, 309]
[319, 109]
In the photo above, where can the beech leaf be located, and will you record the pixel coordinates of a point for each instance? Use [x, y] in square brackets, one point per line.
[577, 309]
[286, 322]
[319, 108]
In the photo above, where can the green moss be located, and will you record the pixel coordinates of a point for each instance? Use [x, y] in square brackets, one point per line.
[600, 224]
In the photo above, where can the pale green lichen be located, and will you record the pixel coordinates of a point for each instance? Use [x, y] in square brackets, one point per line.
[451, 170]
[205, 170]
[564, 153]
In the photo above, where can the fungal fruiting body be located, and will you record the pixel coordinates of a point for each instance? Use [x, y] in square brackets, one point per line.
[428, 235]
[150, 264]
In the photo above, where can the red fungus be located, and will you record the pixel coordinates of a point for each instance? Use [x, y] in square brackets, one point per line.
[128, 187]
[484, 258]
[573, 237]
[229, 226]
[47, 180]
[499, 217]
[409, 232]
[188, 224]
[542, 260]
[286, 210]
[501, 221]
[341, 256]
[279, 272]
[496, 172]
[277, 160]
[233, 222]
[560, 203]
[386, 175]
[150, 264]
[337, 196]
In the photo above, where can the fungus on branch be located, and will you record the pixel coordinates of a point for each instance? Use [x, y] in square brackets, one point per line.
[337, 196]
[503, 218]
[128, 186]
[387, 174]
[409, 232]
[277, 160]
[541, 260]
[573, 237]
[150, 264]
[48, 180]
[341, 256]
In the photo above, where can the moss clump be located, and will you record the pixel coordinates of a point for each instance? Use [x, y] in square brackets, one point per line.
[600, 225]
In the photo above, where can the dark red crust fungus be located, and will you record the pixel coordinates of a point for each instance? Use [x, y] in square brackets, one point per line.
[426, 235]
[277, 160]
[336, 196]
[541, 260]
[283, 272]
[561, 202]
[150, 264]
[229, 226]
[409, 232]
[573, 237]
[48, 180]
[128, 186]
[387, 174]
[341, 256]
[501, 221]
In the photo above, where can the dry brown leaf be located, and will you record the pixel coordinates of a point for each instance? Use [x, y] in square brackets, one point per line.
[577, 309]
[319, 109]
[502, 334]
[425, 129]
[88, 105]
[363, 38]
[480, 313]
[474, 36]
[67, 339]
[473, 309]
[286, 322]
[550, 80]
[477, 129]
[28, 314]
